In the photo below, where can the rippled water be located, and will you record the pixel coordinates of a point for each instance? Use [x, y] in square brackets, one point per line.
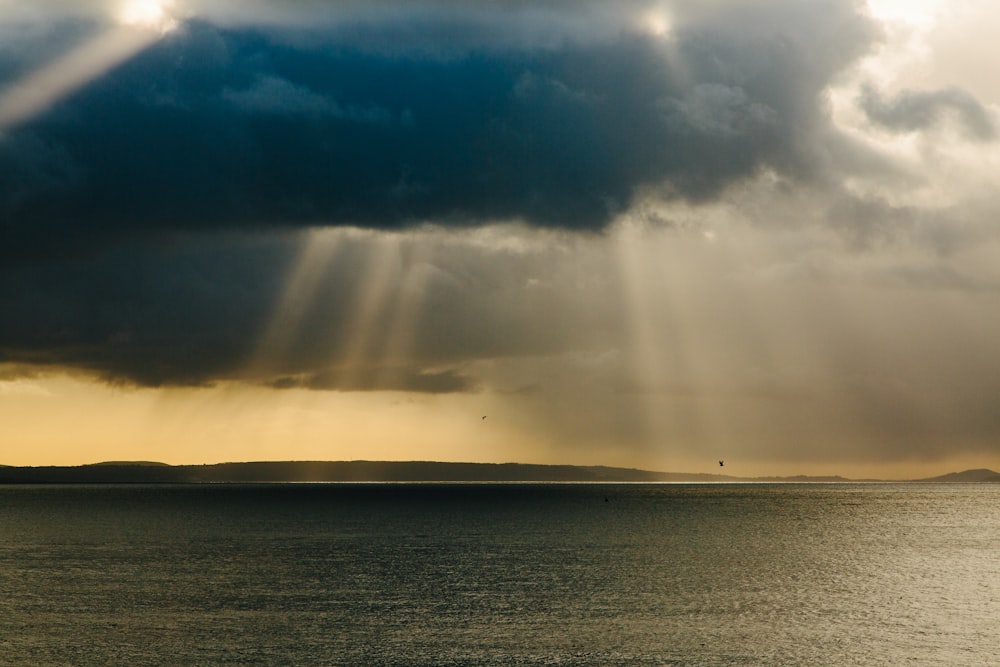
[842, 574]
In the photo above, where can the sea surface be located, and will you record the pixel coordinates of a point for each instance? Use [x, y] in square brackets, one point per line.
[500, 574]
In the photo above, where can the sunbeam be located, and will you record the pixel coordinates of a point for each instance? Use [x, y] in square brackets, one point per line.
[364, 337]
[140, 24]
[644, 344]
[58, 79]
[319, 248]
[674, 325]
[653, 233]
[402, 325]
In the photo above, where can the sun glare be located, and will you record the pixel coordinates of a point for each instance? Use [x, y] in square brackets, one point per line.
[147, 14]
[912, 12]
[655, 23]
[42, 88]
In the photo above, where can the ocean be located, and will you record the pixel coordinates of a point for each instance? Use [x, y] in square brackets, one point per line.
[500, 574]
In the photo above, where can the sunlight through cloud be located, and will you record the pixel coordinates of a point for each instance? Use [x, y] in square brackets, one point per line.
[656, 23]
[149, 14]
[374, 299]
[319, 250]
[654, 233]
[914, 12]
[140, 24]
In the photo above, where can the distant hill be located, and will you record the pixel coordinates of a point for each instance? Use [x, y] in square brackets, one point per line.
[969, 476]
[337, 471]
[143, 472]
[130, 463]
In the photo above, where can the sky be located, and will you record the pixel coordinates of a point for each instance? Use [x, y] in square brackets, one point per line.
[648, 233]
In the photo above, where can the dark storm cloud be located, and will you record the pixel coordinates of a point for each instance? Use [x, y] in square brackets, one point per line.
[914, 110]
[152, 315]
[194, 310]
[147, 221]
[269, 125]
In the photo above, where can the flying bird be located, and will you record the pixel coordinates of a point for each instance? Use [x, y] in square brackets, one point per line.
[721, 463]
[484, 416]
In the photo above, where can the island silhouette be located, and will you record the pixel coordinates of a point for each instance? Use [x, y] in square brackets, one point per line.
[150, 472]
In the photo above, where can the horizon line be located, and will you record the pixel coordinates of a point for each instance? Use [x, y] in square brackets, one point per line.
[984, 474]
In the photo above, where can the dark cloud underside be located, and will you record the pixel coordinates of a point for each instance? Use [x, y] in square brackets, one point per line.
[215, 127]
[195, 311]
[125, 207]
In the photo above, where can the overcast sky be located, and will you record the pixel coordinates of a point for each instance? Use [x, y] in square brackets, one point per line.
[641, 233]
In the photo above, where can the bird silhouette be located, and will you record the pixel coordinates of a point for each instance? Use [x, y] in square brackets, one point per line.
[721, 463]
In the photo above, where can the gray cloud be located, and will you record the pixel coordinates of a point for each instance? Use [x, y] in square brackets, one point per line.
[375, 378]
[197, 310]
[272, 95]
[123, 208]
[271, 125]
[138, 313]
[30, 168]
[915, 110]
[717, 110]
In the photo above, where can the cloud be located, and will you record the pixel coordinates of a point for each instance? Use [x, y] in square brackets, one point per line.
[915, 110]
[31, 167]
[196, 311]
[716, 110]
[630, 229]
[228, 127]
[142, 314]
[21, 387]
[382, 379]
[626, 231]
[272, 95]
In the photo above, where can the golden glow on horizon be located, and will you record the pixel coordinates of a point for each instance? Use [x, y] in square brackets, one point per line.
[63, 420]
